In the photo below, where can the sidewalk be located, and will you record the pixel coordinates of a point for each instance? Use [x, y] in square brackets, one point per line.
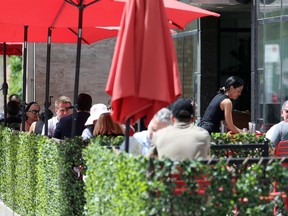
[5, 211]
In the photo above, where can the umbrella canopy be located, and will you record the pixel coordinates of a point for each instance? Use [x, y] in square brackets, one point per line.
[64, 13]
[180, 14]
[61, 13]
[11, 49]
[144, 75]
[15, 33]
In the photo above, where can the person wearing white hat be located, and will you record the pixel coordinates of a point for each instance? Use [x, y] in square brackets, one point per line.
[95, 111]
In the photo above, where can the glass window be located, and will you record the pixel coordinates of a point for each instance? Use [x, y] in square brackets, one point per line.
[260, 45]
[285, 7]
[260, 10]
[284, 56]
[187, 45]
[272, 7]
[272, 73]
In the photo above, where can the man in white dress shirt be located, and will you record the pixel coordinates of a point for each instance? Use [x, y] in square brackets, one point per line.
[62, 108]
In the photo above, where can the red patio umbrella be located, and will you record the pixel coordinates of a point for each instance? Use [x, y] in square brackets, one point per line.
[64, 13]
[7, 49]
[179, 14]
[79, 14]
[144, 75]
[15, 33]
[11, 49]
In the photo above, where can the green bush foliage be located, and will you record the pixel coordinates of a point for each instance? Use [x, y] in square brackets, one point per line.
[116, 182]
[120, 184]
[237, 139]
[15, 84]
[39, 177]
[9, 147]
[37, 174]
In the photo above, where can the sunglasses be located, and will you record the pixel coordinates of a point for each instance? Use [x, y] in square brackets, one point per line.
[34, 111]
[64, 109]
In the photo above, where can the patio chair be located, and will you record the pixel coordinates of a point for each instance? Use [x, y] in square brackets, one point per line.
[282, 150]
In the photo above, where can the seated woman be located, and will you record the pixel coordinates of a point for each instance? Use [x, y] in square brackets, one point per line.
[37, 127]
[105, 125]
[32, 115]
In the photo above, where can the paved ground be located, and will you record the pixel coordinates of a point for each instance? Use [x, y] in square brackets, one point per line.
[5, 211]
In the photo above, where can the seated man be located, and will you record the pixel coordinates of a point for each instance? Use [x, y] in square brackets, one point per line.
[62, 105]
[160, 120]
[279, 131]
[64, 128]
[12, 121]
[183, 140]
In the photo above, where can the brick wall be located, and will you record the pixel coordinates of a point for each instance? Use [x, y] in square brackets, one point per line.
[95, 65]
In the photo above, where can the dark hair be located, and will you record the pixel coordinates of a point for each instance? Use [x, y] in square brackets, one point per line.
[13, 108]
[84, 102]
[42, 114]
[29, 105]
[232, 81]
[183, 110]
[14, 95]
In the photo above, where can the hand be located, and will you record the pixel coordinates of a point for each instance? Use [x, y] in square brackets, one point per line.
[230, 133]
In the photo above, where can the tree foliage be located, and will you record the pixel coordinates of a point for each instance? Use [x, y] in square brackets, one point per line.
[15, 84]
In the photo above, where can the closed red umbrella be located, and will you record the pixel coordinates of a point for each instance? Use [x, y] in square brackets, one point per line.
[144, 75]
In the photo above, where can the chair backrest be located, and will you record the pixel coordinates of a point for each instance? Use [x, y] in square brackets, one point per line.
[282, 149]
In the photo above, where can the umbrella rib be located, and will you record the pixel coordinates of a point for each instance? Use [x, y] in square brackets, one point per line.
[85, 41]
[80, 4]
[175, 24]
[58, 14]
[92, 2]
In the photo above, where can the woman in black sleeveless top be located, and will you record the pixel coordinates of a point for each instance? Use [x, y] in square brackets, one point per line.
[220, 108]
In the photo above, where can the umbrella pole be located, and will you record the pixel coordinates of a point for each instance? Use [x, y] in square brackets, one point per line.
[127, 134]
[46, 105]
[77, 71]
[5, 85]
[24, 77]
[81, 6]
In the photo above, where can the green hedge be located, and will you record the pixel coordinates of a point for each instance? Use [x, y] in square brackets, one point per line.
[37, 176]
[120, 184]
[116, 185]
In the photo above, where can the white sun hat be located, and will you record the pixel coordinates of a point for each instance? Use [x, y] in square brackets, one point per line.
[95, 111]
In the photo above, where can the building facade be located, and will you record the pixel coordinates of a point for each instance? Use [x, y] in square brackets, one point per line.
[249, 39]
